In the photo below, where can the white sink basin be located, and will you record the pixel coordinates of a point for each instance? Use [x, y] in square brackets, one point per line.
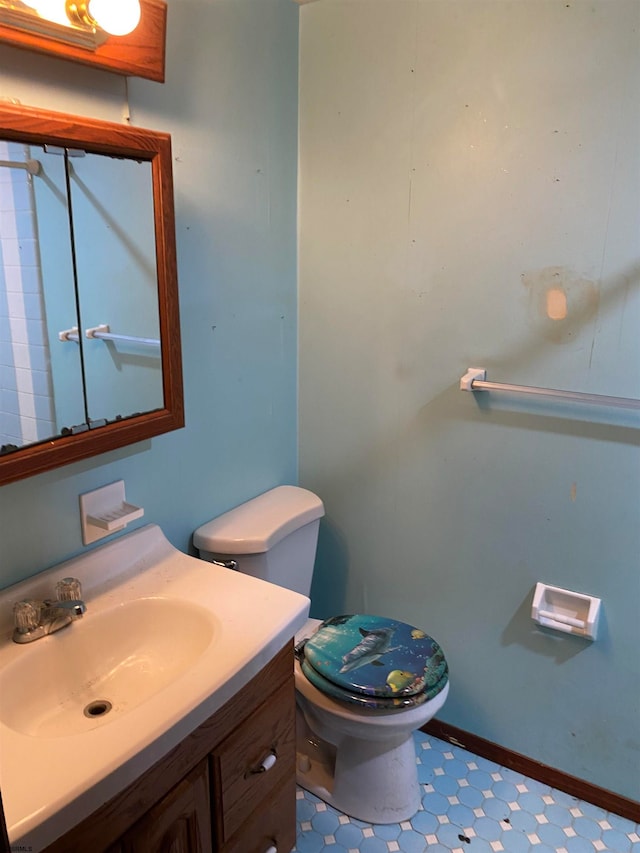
[165, 641]
[102, 666]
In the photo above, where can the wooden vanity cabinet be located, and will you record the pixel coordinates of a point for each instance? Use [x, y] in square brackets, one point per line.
[179, 823]
[229, 787]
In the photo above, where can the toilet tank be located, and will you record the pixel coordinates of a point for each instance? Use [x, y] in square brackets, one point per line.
[272, 536]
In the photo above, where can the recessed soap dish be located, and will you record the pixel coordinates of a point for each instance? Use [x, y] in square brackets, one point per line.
[104, 511]
[117, 517]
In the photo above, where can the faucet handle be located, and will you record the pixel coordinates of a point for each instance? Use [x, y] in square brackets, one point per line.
[69, 589]
[26, 615]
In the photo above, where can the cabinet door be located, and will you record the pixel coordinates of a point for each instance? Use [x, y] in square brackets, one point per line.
[179, 823]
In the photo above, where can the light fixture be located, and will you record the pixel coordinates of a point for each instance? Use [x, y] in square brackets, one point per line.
[82, 23]
[82, 33]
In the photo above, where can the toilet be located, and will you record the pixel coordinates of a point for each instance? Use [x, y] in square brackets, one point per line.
[364, 683]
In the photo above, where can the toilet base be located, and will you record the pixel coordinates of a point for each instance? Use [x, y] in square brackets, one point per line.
[373, 781]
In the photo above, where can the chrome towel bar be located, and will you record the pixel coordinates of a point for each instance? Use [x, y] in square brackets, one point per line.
[475, 380]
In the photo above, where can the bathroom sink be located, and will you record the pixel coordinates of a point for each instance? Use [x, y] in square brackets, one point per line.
[102, 666]
[165, 642]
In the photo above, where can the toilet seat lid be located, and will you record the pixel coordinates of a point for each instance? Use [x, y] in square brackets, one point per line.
[376, 657]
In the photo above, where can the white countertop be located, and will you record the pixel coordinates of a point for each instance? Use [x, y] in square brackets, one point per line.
[50, 783]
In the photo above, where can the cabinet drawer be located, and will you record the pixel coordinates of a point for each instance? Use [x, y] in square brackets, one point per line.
[267, 736]
[273, 824]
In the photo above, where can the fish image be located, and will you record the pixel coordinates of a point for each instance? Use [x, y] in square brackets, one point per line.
[417, 634]
[372, 646]
[398, 679]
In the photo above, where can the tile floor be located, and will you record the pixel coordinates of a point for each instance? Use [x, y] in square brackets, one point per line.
[470, 805]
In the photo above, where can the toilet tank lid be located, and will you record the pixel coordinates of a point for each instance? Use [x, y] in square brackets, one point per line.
[257, 525]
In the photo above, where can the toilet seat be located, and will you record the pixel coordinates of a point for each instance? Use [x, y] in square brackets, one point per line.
[361, 699]
[373, 662]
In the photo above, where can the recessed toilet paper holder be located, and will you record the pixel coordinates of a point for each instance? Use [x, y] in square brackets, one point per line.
[563, 610]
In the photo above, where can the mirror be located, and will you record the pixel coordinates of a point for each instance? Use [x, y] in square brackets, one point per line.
[89, 328]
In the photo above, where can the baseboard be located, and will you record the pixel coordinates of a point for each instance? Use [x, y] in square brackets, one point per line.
[607, 800]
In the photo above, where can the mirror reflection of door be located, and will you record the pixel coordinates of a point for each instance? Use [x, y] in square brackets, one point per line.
[40, 380]
[115, 251]
[102, 238]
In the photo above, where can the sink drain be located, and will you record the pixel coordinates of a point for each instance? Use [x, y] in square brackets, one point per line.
[97, 708]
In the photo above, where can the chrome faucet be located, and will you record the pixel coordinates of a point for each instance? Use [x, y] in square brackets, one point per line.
[35, 619]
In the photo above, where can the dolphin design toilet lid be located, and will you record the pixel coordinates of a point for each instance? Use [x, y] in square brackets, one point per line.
[353, 657]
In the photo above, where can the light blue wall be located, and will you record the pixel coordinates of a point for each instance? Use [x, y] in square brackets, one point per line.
[230, 103]
[459, 159]
[438, 511]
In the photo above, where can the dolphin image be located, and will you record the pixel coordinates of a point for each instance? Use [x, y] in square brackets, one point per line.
[372, 646]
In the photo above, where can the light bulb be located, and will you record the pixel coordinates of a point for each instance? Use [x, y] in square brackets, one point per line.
[116, 17]
[51, 10]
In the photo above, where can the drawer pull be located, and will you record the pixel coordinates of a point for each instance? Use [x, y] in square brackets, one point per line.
[266, 764]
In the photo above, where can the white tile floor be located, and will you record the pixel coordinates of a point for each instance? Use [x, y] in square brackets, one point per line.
[470, 805]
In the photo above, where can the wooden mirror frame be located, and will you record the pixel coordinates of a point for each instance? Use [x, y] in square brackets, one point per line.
[39, 127]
